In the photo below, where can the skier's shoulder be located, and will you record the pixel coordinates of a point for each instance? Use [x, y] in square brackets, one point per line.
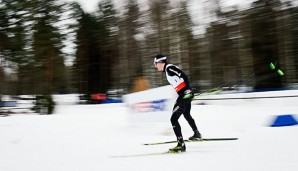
[173, 69]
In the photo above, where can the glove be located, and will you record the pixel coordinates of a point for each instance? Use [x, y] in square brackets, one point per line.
[188, 95]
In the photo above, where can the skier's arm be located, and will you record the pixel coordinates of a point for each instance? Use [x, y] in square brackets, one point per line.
[180, 78]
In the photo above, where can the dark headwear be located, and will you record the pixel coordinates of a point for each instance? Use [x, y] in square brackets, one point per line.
[160, 58]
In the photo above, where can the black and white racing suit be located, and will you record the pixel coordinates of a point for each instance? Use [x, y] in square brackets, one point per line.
[179, 80]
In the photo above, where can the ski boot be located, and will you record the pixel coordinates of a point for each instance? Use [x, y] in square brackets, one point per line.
[179, 148]
[197, 136]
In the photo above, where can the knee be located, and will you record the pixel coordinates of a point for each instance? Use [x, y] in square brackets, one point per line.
[188, 117]
[174, 119]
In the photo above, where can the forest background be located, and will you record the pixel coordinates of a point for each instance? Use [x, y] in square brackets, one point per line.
[55, 46]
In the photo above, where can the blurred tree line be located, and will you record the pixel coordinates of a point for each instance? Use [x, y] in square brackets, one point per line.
[115, 47]
[30, 47]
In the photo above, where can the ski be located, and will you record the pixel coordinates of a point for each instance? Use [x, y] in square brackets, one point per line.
[148, 154]
[155, 154]
[200, 140]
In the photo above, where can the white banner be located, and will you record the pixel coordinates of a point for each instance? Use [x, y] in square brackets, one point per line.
[153, 105]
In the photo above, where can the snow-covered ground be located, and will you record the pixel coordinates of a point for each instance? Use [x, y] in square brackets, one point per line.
[93, 137]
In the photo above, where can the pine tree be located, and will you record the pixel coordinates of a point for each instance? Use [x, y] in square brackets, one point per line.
[108, 43]
[47, 47]
[130, 54]
[4, 23]
[16, 51]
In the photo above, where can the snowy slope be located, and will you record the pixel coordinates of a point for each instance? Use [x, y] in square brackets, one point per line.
[89, 137]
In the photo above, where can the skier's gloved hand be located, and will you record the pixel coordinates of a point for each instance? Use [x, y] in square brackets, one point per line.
[188, 95]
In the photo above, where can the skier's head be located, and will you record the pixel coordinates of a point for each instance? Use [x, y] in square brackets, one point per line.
[159, 62]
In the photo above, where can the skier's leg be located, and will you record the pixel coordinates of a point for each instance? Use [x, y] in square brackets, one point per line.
[189, 118]
[178, 110]
[191, 121]
[174, 120]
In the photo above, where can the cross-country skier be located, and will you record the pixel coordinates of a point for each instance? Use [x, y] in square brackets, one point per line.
[179, 80]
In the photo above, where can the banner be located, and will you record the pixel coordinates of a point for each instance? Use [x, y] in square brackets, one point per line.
[153, 105]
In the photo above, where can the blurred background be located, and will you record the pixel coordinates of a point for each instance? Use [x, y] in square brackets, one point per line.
[57, 47]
